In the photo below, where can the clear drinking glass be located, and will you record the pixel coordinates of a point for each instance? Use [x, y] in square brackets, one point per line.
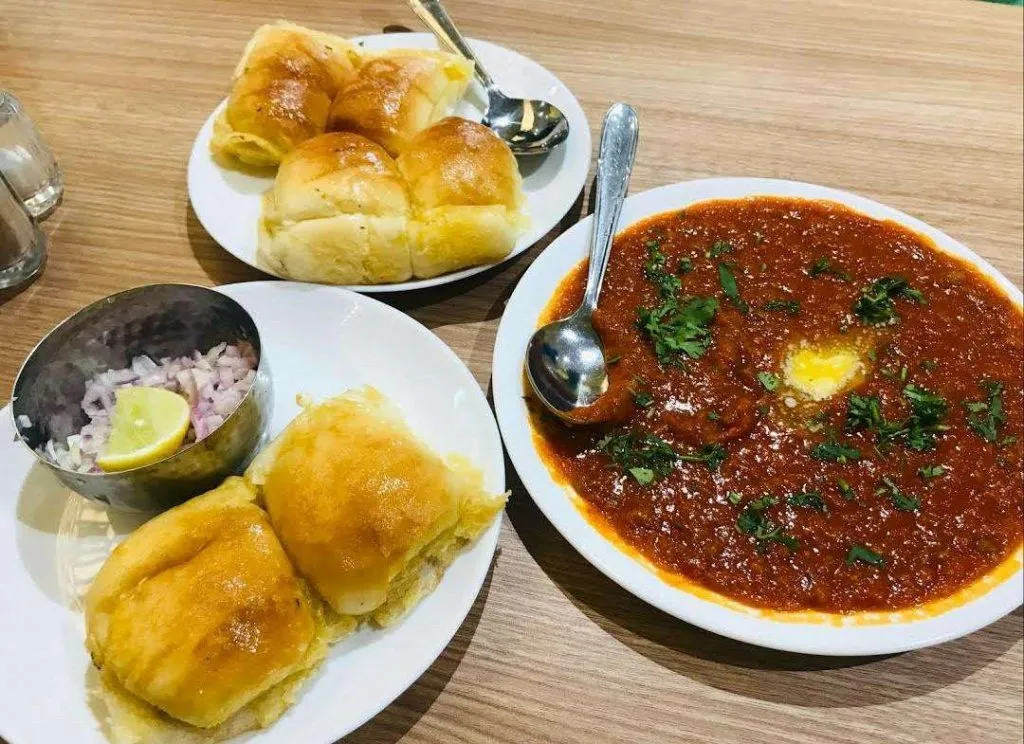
[22, 244]
[25, 160]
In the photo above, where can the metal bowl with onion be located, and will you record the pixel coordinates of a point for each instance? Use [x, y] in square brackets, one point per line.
[158, 321]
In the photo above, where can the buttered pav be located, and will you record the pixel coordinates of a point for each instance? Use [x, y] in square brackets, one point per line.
[199, 625]
[338, 213]
[366, 511]
[281, 93]
[398, 93]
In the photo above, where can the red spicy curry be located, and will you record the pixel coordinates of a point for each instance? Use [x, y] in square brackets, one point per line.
[901, 487]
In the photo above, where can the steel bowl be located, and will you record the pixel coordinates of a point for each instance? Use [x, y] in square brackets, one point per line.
[159, 320]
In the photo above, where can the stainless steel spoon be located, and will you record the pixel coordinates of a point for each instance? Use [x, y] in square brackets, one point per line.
[565, 359]
[529, 127]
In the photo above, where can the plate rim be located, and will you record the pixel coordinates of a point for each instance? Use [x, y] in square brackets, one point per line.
[199, 152]
[488, 541]
[555, 501]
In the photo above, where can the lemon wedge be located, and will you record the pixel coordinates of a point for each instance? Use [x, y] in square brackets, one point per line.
[148, 424]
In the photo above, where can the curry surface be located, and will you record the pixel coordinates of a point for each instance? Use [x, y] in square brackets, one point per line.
[965, 332]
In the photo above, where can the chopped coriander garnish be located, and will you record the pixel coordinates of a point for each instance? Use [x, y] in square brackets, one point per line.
[845, 490]
[679, 329]
[643, 399]
[719, 248]
[834, 452]
[685, 265]
[872, 355]
[929, 365]
[931, 471]
[900, 500]
[615, 359]
[768, 380]
[824, 265]
[807, 499]
[862, 412]
[986, 417]
[644, 456]
[875, 306]
[728, 282]
[644, 476]
[863, 554]
[711, 455]
[734, 497]
[752, 521]
[713, 416]
[791, 307]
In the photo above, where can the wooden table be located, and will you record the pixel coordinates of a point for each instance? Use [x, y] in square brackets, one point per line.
[917, 104]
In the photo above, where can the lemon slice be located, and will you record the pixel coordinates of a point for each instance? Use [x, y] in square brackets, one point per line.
[148, 424]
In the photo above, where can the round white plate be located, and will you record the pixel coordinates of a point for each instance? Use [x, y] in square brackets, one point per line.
[227, 202]
[320, 341]
[517, 325]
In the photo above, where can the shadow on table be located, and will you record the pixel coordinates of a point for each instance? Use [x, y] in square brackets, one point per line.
[738, 667]
[392, 723]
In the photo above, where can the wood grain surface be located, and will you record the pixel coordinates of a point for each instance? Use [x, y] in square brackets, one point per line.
[917, 104]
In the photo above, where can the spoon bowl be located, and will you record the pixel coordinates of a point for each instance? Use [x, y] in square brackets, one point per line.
[565, 359]
[528, 127]
[566, 364]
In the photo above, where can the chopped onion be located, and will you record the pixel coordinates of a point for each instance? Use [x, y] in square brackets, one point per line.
[214, 384]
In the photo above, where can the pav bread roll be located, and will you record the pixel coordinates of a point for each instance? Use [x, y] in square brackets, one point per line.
[369, 515]
[398, 93]
[338, 213]
[467, 194]
[199, 625]
[282, 92]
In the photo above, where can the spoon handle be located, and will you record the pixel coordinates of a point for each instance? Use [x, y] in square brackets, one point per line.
[619, 135]
[432, 13]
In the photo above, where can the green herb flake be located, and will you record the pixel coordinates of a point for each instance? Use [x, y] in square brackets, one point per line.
[808, 500]
[931, 471]
[862, 412]
[825, 266]
[768, 380]
[845, 490]
[685, 265]
[900, 500]
[644, 476]
[753, 521]
[790, 307]
[711, 455]
[834, 452]
[734, 497]
[679, 329]
[728, 282]
[876, 304]
[929, 365]
[987, 417]
[863, 554]
[643, 399]
[718, 248]
[644, 456]
[713, 416]
[614, 359]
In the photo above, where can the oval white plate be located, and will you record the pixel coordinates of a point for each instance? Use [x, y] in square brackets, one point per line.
[320, 341]
[517, 325]
[227, 202]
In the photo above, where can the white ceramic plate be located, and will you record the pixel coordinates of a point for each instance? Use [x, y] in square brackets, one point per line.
[888, 633]
[318, 340]
[227, 202]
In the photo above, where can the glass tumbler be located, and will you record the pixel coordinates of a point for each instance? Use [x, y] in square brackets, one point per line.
[22, 244]
[25, 160]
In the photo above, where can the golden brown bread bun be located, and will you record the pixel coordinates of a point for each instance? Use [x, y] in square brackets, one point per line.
[282, 92]
[467, 194]
[398, 93]
[199, 616]
[338, 213]
[367, 512]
